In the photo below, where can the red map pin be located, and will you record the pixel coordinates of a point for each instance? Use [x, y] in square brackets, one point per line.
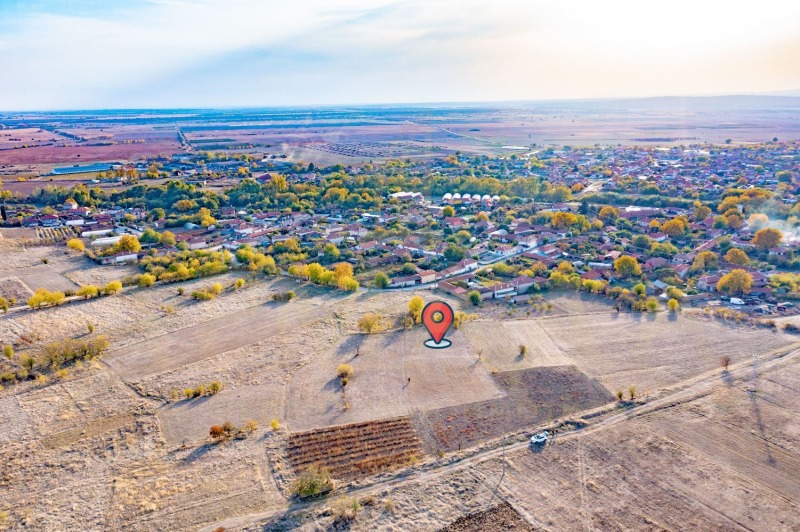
[437, 316]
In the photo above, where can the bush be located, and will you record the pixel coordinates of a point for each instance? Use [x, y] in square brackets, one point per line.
[146, 280]
[346, 508]
[284, 296]
[4, 304]
[8, 351]
[45, 297]
[274, 424]
[214, 387]
[371, 323]
[238, 283]
[673, 305]
[217, 432]
[113, 287]
[76, 244]
[252, 425]
[632, 392]
[475, 298]
[651, 304]
[312, 481]
[344, 371]
[87, 291]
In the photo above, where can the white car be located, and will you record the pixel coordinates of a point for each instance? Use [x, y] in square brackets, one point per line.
[540, 437]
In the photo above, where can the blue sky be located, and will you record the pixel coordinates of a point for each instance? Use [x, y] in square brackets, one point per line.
[57, 54]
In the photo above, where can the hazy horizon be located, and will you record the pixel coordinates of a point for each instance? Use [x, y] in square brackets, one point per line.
[145, 54]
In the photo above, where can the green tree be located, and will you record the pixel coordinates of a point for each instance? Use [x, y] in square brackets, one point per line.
[381, 280]
[475, 297]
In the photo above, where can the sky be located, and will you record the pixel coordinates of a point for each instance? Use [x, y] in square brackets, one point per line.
[89, 54]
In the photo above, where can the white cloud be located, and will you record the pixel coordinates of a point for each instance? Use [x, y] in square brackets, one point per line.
[164, 52]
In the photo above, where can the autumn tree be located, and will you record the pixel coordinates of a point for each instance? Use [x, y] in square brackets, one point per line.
[627, 266]
[449, 211]
[737, 256]
[767, 238]
[735, 283]
[371, 323]
[128, 243]
[76, 244]
[673, 305]
[415, 306]
[705, 261]
[701, 212]
[674, 227]
[608, 214]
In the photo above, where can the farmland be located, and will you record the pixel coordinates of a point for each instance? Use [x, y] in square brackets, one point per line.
[407, 414]
[355, 450]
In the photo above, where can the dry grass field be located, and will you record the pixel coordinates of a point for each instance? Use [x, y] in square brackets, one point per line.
[211, 338]
[104, 447]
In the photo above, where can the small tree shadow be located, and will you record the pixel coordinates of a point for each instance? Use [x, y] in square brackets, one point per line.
[199, 452]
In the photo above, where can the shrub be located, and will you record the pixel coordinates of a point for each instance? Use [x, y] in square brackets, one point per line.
[381, 280]
[252, 425]
[415, 306]
[90, 327]
[217, 432]
[344, 371]
[346, 508]
[475, 298]
[284, 296]
[228, 427]
[113, 287]
[620, 395]
[651, 304]
[523, 350]
[8, 351]
[188, 393]
[215, 289]
[76, 244]
[214, 387]
[312, 481]
[202, 295]
[45, 297]
[632, 392]
[725, 361]
[87, 291]
[4, 304]
[238, 283]
[146, 280]
[274, 424]
[371, 323]
[673, 305]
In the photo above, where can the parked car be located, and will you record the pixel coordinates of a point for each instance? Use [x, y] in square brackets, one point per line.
[737, 301]
[540, 437]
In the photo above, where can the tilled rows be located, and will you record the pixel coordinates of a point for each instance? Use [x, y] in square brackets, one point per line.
[357, 449]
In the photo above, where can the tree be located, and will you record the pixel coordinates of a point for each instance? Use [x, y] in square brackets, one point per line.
[705, 261]
[415, 306]
[737, 282]
[343, 269]
[4, 304]
[523, 350]
[674, 227]
[651, 304]
[312, 481]
[562, 220]
[701, 212]
[330, 253]
[87, 291]
[737, 256]
[482, 217]
[640, 289]
[608, 214]
[149, 236]
[128, 243]
[767, 238]
[167, 238]
[673, 305]
[8, 351]
[381, 280]
[449, 211]
[216, 431]
[113, 287]
[454, 253]
[627, 266]
[147, 280]
[642, 241]
[43, 296]
[76, 244]
[475, 298]
[371, 323]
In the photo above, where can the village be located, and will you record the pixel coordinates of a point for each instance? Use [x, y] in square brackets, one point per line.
[564, 218]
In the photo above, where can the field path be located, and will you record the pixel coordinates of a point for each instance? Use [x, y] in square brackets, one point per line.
[192, 344]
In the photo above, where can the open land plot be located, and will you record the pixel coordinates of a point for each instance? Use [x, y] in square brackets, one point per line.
[209, 339]
[653, 351]
[532, 396]
[394, 374]
[190, 419]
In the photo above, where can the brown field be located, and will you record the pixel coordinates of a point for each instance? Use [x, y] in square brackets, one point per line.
[501, 517]
[352, 451]
[208, 339]
[532, 396]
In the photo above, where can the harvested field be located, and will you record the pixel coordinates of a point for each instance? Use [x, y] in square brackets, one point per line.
[498, 344]
[189, 420]
[13, 288]
[394, 375]
[211, 338]
[653, 351]
[351, 451]
[501, 517]
[532, 396]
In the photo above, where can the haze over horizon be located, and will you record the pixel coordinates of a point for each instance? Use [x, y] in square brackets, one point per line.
[85, 54]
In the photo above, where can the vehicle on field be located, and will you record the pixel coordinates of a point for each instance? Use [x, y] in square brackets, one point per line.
[540, 438]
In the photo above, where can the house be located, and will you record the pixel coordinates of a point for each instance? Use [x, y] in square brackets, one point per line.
[708, 283]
